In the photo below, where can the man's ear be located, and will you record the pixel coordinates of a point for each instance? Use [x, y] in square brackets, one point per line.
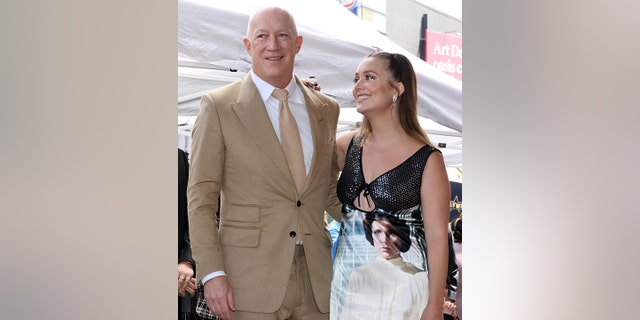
[247, 45]
[298, 43]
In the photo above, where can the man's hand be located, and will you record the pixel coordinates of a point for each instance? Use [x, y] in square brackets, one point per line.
[217, 292]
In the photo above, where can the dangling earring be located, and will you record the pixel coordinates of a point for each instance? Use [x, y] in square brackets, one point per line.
[395, 98]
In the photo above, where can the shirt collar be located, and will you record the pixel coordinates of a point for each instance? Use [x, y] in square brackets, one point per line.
[265, 89]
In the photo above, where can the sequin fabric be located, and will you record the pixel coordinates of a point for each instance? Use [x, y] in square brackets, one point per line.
[396, 190]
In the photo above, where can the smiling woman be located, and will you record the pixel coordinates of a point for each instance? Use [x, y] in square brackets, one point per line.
[395, 195]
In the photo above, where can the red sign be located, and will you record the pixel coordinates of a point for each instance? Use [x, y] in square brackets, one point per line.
[444, 51]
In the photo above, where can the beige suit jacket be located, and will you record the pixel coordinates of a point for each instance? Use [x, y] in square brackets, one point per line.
[236, 155]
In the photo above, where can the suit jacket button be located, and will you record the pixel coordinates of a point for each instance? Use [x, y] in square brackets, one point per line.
[292, 234]
[298, 203]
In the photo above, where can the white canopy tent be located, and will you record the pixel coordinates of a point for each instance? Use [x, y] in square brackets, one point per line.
[211, 54]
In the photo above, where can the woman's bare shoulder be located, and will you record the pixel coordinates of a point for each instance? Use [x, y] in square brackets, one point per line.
[343, 139]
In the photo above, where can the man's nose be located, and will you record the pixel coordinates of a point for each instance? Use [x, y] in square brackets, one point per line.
[272, 43]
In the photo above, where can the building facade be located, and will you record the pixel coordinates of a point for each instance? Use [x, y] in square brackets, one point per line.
[401, 20]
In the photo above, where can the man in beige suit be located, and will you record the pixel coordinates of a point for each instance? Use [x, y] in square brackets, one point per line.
[270, 256]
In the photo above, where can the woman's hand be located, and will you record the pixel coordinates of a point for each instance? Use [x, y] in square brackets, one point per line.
[186, 281]
[449, 307]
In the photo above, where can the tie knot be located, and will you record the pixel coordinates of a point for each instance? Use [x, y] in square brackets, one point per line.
[280, 94]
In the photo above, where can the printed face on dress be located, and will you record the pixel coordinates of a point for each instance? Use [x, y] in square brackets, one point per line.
[385, 239]
[273, 42]
[372, 87]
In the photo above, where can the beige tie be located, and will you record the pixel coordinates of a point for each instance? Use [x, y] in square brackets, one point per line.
[290, 139]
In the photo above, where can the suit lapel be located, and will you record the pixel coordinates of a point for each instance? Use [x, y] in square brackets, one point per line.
[251, 111]
[319, 130]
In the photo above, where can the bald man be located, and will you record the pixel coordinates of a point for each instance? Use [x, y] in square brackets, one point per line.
[270, 255]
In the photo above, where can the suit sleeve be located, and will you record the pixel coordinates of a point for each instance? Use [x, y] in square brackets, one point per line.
[205, 177]
[333, 205]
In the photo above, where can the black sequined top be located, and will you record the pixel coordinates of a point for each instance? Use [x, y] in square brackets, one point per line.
[396, 190]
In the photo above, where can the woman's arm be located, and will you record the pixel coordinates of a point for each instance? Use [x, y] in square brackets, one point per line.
[435, 196]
